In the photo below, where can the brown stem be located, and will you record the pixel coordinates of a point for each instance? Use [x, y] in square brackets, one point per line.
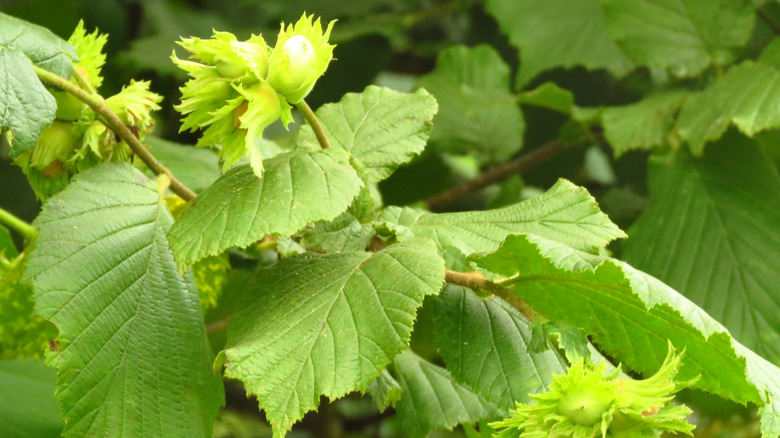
[496, 174]
[98, 104]
[217, 325]
[477, 281]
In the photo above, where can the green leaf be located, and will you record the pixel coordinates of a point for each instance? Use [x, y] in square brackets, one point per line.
[26, 107]
[345, 233]
[565, 213]
[197, 168]
[477, 110]
[642, 125]
[385, 391]
[564, 33]
[431, 399]
[316, 325]
[484, 342]
[379, 127]
[7, 248]
[549, 95]
[569, 338]
[22, 333]
[210, 275]
[27, 409]
[684, 36]
[711, 218]
[239, 209]
[45, 49]
[103, 274]
[631, 316]
[747, 96]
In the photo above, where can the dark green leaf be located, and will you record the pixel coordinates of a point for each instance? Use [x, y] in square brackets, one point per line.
[564, 33]
[379, 127]
[296, 188]
[716, 220]
[484, 342]
[27, 409]
[104, 275]
[685, 36]
[748, 96]
[316, 325]
[431, 399]
[477, 110]
[40, 45]
[632, 316]
[565, 213]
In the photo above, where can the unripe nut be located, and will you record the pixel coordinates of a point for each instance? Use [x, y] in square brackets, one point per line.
[301, 64]
[584, 405]
[56, 142]
[69, 107]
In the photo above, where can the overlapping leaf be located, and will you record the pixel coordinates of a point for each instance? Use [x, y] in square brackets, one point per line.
[564, 33]
[27, 409]
[385, 391]
[316, 325]
[379, 127]
[477, 110]
[716, 220]
[748, 96]
[642, 125]
[565, 213]
[685, 36]
[296, 188]
[40, 45]
[631, 316]
[345, 233]
[485, 345]
[432, 399]
[132, 355]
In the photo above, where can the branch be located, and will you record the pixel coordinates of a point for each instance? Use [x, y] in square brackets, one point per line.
[98, 104]
[314, 122]
[28, 231]
[769, 20]
[479, 282]
[496, 174]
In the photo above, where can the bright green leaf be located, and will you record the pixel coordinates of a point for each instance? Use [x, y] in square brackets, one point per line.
[564, 33]
[431, 399]
[711, 218]
[565, 213]
[379, 127]
[210, 275]
[748, 96]
[7, 248]
[45, 49]
[642, 125]
[477, 109]
[549, 95]
[316, 325]
[239, 209]
[684, 36]
[484, 343]
[27, 409]
[632, 316]
[197, 168]
[385, 391]
[104, 275]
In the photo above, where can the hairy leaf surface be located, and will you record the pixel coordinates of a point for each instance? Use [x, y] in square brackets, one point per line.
[685, 36]
[631, 316]
[565, 213]
[432, 399]
[316, 325]
[719, 232]
[379, 127]
[563, 33]
[296, 188]
[477, 110]
[484, 342]
[132, 355]
[40, 45]
[748, 96]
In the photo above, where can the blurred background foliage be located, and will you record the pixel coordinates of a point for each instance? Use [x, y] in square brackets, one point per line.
[391, 43]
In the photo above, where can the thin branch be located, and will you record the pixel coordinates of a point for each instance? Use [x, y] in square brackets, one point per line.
[98, 104]
[83, 80]
[496, 174]
[769, 20]
[479, 282]
[314, 122]
[28, 231]
[217, 325]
